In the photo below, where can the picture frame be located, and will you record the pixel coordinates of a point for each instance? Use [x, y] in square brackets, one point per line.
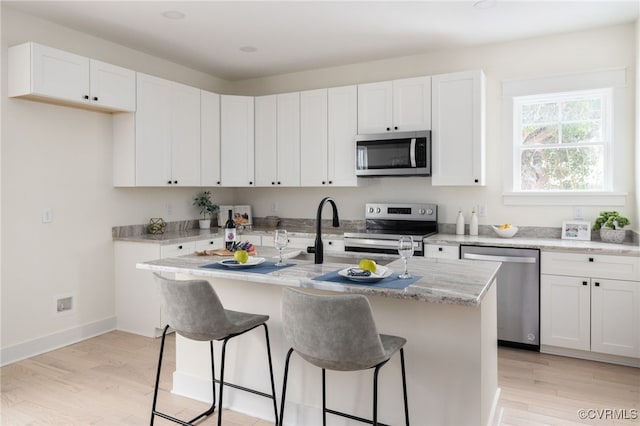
[242, 216]
[576, 230]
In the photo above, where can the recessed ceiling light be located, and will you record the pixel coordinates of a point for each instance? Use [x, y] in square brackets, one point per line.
[484, 4]
[173, 14]
[248, 49]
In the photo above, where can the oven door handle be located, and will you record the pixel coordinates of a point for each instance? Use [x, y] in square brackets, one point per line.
[378, 243]
[505, 259]
[413, 152]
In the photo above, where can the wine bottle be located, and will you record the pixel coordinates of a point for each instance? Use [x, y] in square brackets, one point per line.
[229, 232]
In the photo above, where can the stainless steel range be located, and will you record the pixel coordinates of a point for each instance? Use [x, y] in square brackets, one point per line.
[386, 223]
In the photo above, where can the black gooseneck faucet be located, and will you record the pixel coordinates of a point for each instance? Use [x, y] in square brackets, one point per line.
[318, 247]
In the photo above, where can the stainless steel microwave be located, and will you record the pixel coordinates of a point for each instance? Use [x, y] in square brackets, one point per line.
[394, 154]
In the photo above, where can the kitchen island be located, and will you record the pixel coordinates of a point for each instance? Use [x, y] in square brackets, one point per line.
[448, 318]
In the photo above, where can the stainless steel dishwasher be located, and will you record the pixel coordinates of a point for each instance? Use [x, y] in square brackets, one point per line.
[518, 293]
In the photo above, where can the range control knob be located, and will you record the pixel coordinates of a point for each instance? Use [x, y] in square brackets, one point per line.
[429, 212]
[378, 210]
[422, 211]
[370, 209]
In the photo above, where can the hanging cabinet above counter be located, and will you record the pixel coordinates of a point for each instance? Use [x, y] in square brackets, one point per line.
[46, 74]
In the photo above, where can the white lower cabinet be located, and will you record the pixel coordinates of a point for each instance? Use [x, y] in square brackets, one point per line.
[138, 304]
[590, 311]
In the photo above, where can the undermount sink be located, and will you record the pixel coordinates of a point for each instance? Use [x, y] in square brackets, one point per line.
[347, 259]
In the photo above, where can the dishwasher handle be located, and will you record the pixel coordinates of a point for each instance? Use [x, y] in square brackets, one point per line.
[505, 259]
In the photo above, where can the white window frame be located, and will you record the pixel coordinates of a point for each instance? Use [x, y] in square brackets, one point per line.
[613, 80]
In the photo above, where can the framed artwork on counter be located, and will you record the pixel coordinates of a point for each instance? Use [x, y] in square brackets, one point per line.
[576, 230]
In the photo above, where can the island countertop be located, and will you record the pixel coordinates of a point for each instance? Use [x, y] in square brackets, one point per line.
[456, 282]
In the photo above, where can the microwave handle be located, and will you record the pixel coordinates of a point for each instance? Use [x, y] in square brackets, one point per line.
[412, 151]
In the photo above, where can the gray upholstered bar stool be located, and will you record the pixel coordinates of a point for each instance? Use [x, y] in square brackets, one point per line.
[194, 311]
[338, 333]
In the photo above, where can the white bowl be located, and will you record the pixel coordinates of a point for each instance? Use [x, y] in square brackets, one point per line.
[505, 233]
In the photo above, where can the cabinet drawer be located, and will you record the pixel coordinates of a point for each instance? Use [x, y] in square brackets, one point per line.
[179, 249]
[300, 242]
[210, 244]
[591, 265]
[442, 251]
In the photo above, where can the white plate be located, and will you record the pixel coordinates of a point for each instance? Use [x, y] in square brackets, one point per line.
[382, 272]
[232, 263]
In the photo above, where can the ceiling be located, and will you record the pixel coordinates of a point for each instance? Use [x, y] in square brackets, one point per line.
[290, 36]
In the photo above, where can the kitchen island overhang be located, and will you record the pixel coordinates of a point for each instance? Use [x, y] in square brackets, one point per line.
[448, 318]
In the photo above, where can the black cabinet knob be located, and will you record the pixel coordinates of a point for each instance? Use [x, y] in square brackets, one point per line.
[95, 98]
[440, 249]
[591, 259]
[330, 182]
[218, 183]
[279, 182]
[323, 182]
[210, 242]
[330, 242]
[475, 180]
[86, 96]
[395, 128]
[179, 247]
[251, 183]
[597, 284]
[273, 183]
[584, 283]
[175, 181]
[169, 182]
[388, 129]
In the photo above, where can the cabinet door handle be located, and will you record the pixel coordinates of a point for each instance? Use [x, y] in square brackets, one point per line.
[179, 247]
[273, 183]
[584, 283]
[330, 242]
[95, 98]
[86, 96]
[210, 242]
[279, 182]
[591, 259]
[169, 182]
[330, 182]
[475, 180]
[395, 128]
[388, 129]
[250, 183]
[175, 181]
[440, 248]
[597, 284]
[323, 182]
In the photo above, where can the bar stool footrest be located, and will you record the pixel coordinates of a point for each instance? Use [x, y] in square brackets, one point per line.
[352, 417]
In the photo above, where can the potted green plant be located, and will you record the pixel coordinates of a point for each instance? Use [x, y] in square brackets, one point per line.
[207, 208]
[611, 226]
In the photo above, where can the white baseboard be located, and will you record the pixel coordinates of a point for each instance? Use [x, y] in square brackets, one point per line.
[57, 340]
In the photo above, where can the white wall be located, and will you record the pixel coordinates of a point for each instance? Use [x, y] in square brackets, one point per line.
[60, 157]
[580, 51]
[637, 124]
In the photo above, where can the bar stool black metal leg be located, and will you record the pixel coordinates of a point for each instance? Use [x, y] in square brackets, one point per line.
[273, 384]
[155, 391]
[404, 388]
[375, 394]
[284, 385]
[213, 380]
[324, 397]
[224, 350]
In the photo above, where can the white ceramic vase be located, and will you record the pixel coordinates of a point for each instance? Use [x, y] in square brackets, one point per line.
[608, 235]
[204, 223]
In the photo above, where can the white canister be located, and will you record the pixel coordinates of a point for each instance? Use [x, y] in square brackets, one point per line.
[460, 223]
[473, 225]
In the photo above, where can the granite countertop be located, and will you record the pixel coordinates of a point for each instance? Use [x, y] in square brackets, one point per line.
[456, 282]
[549, 244]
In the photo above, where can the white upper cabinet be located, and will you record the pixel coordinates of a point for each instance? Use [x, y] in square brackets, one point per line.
[277, 140]
[313, 138]
[288, 128]
[395, 106]
[342, 130]
[236, 139]
[458, 129]
[47, 74]
[266, 140]
[209, 138]
[159, 144]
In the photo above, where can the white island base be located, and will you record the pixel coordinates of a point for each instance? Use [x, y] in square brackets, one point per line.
[451, 363]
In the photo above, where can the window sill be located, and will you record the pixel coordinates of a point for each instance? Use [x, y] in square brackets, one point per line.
[564, 198]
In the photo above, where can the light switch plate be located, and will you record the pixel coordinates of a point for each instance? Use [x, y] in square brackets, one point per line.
[47, 215]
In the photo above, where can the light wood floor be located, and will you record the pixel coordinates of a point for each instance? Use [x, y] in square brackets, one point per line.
[108, 380]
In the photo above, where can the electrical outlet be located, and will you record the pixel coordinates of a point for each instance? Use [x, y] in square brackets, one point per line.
[578, 213]
[169, 208]
[47, 215]
[482, 210]
[274, 207]
[64, 304]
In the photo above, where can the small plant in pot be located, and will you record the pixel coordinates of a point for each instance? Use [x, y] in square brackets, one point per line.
[207, 208]
[611, 226]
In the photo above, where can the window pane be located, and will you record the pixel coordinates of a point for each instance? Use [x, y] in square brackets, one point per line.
[562, 169]
[581, 132]
[584, 109]
[539, 135]
[540, 113]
